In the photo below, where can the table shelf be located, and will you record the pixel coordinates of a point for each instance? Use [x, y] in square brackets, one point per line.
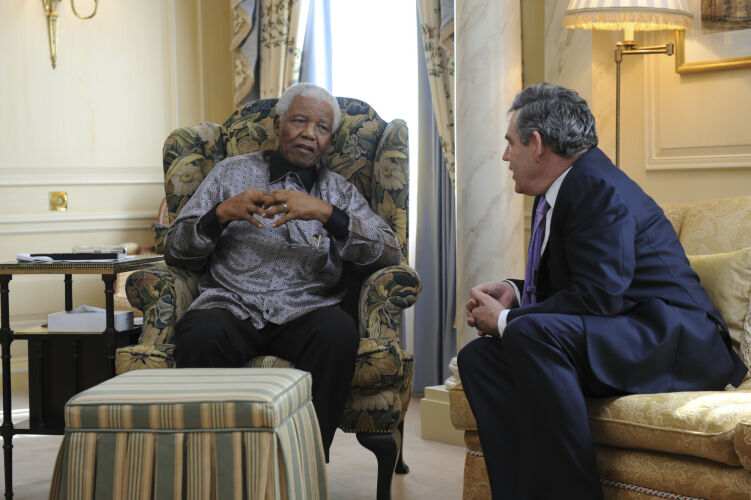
[61, 364]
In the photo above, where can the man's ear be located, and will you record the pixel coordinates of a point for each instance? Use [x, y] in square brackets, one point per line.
[276, 125]
[539, 147]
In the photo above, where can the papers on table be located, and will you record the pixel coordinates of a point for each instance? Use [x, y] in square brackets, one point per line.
[52, 257]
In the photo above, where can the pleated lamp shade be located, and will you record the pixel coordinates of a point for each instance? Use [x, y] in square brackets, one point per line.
[628, 15]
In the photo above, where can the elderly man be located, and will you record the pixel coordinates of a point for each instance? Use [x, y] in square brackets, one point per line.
[271, 232]
[608, 306]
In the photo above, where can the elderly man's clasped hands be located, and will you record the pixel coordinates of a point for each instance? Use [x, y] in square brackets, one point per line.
[293, 204]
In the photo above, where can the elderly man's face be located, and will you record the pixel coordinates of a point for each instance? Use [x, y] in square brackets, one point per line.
[305, 131]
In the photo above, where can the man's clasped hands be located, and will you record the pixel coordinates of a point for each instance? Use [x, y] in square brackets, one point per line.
[292, 204]
[486, 303]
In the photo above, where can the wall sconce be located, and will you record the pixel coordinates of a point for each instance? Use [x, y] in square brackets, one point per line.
[629, 16]
[50, 10]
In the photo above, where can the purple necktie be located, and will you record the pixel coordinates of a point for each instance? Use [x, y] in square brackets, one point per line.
[534, 252]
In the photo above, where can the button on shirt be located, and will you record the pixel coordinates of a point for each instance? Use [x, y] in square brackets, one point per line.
[274, 275]
[550, 195]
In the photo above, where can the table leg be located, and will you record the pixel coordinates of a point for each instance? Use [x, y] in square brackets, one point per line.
[41, 397]
[6, 337]
[109, 331]
[68, 292]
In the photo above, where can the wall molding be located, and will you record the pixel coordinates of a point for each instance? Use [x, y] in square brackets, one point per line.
[85, 223]
[686, 157]
[80, 176]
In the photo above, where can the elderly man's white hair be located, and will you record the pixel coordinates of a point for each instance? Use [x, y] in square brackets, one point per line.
[308, 90]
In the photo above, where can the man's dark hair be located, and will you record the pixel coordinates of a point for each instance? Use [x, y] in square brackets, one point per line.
[560, 115]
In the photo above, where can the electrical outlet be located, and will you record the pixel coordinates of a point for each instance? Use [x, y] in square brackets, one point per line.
[59, 200]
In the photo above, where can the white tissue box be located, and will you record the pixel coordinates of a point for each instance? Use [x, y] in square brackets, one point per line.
[89, 321]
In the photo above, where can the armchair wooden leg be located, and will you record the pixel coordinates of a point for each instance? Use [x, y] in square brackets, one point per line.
[386, 449]
[401, 467]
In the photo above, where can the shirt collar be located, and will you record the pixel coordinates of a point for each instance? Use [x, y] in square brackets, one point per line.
[280, 167]
[552, 193]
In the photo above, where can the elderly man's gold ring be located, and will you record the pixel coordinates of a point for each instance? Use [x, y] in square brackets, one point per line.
[286, 208]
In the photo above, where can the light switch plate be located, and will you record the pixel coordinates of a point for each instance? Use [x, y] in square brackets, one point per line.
[59, 200]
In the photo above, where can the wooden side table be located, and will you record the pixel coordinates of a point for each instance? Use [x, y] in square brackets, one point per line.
[52, 381]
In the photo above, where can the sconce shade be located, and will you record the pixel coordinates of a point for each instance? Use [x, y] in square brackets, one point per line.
[637, 15]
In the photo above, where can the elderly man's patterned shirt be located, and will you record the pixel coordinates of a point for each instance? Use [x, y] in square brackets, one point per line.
[274, 275]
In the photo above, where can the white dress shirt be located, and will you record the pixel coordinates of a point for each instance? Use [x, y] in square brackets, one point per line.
[550, 195]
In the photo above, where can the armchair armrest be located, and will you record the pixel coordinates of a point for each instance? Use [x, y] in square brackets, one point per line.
[383, 296]
[162, 294]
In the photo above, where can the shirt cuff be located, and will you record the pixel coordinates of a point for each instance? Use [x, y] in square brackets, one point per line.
[502, 321]
[516, 291]
[209, 224]
[338, 223]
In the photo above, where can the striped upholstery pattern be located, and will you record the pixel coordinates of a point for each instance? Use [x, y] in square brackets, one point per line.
[193, 433]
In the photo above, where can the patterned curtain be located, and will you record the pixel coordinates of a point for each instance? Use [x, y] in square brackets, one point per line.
[435, 248]
[271, 32]
[282, 35]
[244, 47]
[437, 23]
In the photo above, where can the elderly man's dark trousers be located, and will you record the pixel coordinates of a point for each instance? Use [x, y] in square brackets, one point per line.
[527, 393]
[323, 343]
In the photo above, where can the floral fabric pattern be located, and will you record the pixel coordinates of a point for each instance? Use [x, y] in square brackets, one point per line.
[282, 34]
[370, 153]
[163, 294]
[437, 24]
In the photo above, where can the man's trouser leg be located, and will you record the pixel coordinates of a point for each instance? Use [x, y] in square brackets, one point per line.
[527, 393]
[325, 344]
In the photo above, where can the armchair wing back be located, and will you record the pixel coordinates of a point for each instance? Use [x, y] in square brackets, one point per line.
[373, 155]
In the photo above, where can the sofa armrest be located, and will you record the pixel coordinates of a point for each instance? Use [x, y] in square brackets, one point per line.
[162, 294]
[462, 417]
[383, 296]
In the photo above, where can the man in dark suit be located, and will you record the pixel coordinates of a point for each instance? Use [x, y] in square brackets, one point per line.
[609, 306]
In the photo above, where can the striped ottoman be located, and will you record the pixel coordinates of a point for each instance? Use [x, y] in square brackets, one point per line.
[210, 433]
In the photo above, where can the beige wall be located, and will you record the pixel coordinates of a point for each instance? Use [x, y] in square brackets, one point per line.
[94, 126]
[684, 137]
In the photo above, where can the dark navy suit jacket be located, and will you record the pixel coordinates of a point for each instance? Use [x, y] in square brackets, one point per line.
[614, 259]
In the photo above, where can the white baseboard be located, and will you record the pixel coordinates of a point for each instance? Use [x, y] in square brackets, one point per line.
[435, 417]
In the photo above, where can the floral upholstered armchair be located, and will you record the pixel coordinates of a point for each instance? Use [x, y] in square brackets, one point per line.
[370, 153]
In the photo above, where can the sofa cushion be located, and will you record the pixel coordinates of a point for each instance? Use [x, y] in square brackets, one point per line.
[716, 226]
[727, 279]
[702, 424]
[649, 475]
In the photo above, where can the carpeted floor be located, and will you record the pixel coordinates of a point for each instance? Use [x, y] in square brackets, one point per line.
[435, 468]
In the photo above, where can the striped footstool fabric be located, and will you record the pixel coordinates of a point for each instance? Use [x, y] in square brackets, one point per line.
[211, 433]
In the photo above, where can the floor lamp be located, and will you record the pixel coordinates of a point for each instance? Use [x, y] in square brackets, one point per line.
[629, 16]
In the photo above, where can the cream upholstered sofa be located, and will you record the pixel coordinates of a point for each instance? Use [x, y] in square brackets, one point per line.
[672, 445]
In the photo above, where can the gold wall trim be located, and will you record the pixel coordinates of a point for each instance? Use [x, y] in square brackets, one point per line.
[682, 67]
